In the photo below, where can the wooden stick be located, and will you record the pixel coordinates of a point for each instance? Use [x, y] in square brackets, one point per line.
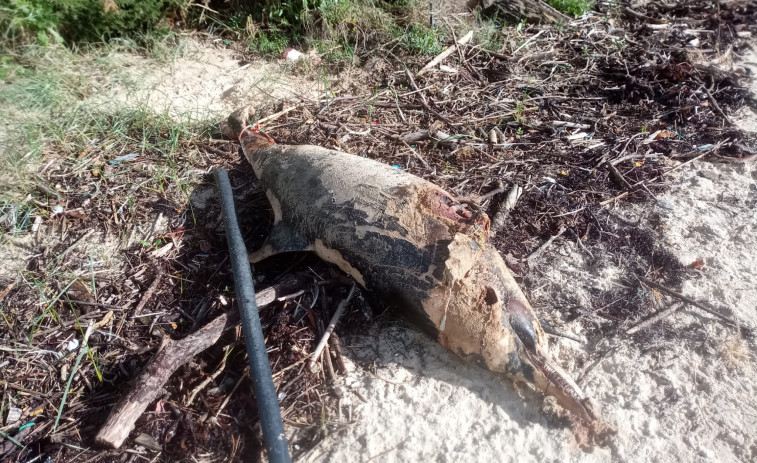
[688, 300]
[329, 365]
[148, 294]
[443, 55]
[83, 349]
[715, 105]
[277, 115]
[337, 348]
[209, 379]
[618, 176]
[544, 246]
[149, 385]
[500, 189]
[531, 39]
[498, 222]
[571, 125]
[76, 243]
[626, 193]
[332, 324]
[417, 90]
[660, 315]
[7, 290]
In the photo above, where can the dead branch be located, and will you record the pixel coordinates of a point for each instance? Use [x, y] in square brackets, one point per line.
[715, 105]
[701, 305]
[332, 324]
[544, 246]
[531, 10]
[656, 317]
[498, 222]
[7, 290]
[148, 294]
[618, 176]
[149, 385]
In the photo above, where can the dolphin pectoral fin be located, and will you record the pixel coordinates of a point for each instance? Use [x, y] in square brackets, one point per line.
[282, 239]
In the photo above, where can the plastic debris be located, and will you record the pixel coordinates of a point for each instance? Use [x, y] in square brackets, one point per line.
[14, 414]
[290, 54]
[120, 159]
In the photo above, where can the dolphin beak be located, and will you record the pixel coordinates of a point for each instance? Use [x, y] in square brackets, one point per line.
[548, 377]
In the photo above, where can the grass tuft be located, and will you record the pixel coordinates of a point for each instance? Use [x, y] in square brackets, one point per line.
[574, 7]
[422, 40]
[268, 42]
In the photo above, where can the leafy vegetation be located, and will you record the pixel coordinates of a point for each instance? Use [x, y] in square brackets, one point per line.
[422, 40]
[574, 7]
[289, 14]
[77, 20]
[269, 42]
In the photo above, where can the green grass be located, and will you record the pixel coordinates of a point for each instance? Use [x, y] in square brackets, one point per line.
[342, 18]
[45, 108]
[49, 122]
[269, 42]
[72, 21]
[336, 28]
[574, 7]
[333, 51]
[421, 39]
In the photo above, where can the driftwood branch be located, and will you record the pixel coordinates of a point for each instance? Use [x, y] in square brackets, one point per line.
[688, 300]
[149, 385]
[654, 319]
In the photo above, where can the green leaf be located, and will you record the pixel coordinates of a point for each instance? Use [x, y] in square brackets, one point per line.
[42, 38]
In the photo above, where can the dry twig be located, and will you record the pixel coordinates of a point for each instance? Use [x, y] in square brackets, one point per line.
[332, 324]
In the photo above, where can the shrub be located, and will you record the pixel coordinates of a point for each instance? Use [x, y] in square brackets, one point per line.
[422, 40]
[574, 7]
[270, 41]
[76, 20]
[289, 14]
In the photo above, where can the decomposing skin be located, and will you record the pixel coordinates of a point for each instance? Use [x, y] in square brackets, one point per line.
[412, 244]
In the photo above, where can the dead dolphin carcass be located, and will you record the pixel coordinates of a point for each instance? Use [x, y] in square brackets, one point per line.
[413, 244]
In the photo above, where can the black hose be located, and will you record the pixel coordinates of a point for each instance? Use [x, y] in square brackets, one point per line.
[262, 381]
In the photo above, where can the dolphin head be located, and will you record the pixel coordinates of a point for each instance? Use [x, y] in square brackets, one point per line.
[483, 315]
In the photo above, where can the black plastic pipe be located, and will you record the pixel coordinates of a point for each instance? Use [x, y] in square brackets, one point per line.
[260, 368]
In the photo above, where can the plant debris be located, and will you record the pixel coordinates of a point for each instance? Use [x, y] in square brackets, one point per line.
[583, 117]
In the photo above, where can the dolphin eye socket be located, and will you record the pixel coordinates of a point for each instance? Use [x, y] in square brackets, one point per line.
[491, 296]
[475, 359]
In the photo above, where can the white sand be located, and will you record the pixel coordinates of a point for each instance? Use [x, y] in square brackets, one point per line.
[686, 398]
[691, 397]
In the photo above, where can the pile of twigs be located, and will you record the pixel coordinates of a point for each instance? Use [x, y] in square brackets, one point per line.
[546, 132]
